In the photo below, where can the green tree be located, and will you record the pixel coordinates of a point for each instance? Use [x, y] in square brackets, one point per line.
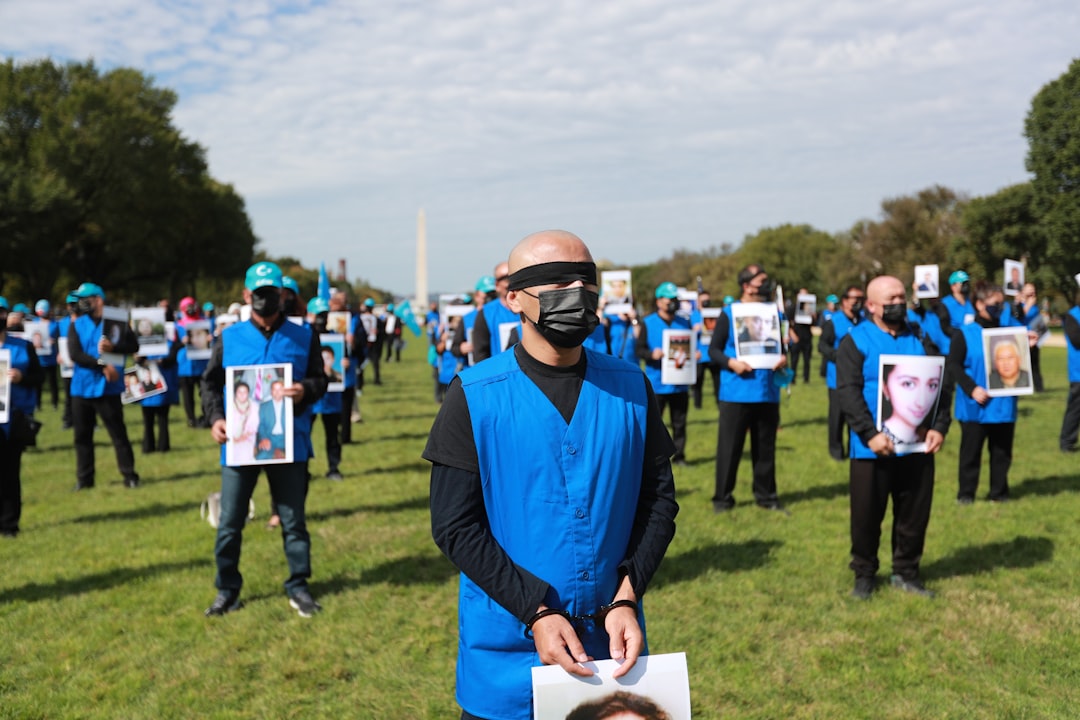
[795, 256]
[1052, 128]
[95, 182]
[1000, 226]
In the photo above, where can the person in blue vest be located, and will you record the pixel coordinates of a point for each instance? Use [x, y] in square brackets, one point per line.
[447, 363]
[955, 309]
[877, 471]
[497, 326]
[43, 311]
[622, 332]
[832, 305]
[749, 403]
[189, 370]
[925, 313]
[1070, 423]
[833, 331]
[1027, 311]
[62, 327]
[356, 345]
[330, 406]
[155, 409]
[650, 350]
[267, 338]
[983, 419]
[551, 491]
[705, 364]
[96, 387]
[24, 374]
[461, 344]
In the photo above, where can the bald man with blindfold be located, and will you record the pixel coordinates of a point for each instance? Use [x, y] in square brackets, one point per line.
[551, 491]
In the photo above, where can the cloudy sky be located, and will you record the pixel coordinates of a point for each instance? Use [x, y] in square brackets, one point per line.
[641, 125]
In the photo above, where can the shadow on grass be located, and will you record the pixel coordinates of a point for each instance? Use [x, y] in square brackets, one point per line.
[1050, 485]
[1021, 552]
[215, 473]
[785, 424]
[138, 513]
[819, 492]
[421, 466]
[66, 587]
[418, 503]
[403, 572]
[399, 436]
[725, 557]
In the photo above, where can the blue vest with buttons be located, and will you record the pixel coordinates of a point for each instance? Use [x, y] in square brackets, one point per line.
[290, 343]
[560, 499]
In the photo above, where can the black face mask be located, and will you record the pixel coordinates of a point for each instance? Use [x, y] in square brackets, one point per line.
[671, 306]
[288, 305]
[894, 314]
[567, 316]
[965, 288]
[266, 304]
[320, 323]
[706, 303]
[86, 305]
[856, 307]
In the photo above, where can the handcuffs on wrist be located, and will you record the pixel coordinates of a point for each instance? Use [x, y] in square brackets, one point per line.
[598, 617]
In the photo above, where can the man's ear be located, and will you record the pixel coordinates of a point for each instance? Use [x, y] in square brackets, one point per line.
[512, 301]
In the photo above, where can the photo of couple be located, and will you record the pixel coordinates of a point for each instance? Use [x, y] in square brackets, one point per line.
[258, 416]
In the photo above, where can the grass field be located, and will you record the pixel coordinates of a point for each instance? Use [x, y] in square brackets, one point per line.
[101, 597]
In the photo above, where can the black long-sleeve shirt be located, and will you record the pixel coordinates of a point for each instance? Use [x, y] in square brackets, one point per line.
[128, 345]
[459, 523]
[213, 378]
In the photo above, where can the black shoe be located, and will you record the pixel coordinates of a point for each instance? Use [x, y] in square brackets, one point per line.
[912, 585]
[302, 602]
[334, 475]
[82, 486]
[864, 587]
[681, 462]
[720, 507]
[131, 482]
[965, 500]
[225, 602]
[9, 533]
[1070, 448]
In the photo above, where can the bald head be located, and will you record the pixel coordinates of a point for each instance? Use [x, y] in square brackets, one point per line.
[884, 291]
[548, 246]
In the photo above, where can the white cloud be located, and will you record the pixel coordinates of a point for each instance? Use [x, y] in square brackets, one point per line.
[645, 125]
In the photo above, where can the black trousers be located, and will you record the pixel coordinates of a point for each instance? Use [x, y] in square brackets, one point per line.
[680, 405]
[152, 416]
[347, 400]
[1070, 424]
[909, 480]
[375, 358]
[699, 386]
[187, 399]
[111, 412]
[11, 452]
[65, 419]
[999, 436]
[52, 373]
[330, 423]
[736, 420]
[804, 348]
[836, 428]
[1036, 369]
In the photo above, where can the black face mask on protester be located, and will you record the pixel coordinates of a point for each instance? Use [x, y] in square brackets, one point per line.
[894, 314]
[994, 311]
[266, 303]
[567, 315]
[965, 288]
[86, 305]
[319, 324]
[671, 306]
[856, 306]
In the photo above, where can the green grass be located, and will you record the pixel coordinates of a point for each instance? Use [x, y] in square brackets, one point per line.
[101, 597]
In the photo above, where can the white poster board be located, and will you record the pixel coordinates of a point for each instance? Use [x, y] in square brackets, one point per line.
[1007, 362]
[757, 334]
[113, 326]
[141, 382]
[332, 348]
[258, 418]
[149, 326]
[909, 388]
[656, 683]
[1014, 277]
[926, 281]
[63, 358]
[615, 289]
[198, 339]
[678, 366]
[805, 307]
[5, 386]
[37, 333]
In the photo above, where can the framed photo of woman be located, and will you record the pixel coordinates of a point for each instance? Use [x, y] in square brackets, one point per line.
[909, 388]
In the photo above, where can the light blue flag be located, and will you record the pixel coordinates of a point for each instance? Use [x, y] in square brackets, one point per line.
[324, 283]
[404, 311]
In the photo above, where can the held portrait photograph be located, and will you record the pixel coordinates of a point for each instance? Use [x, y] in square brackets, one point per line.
[757, 334]
[679, 364]
[258, 416]
[198, 340]
[615, 290]
[149, 326]
[1007, 361]
[36, 332]
[5, 386]
[332, 347]
[926, 281]
[338, 321]
[709, 316]
[909, 388]
[113, 326]
[141, 382]
[805, 307]
[656, 688]
[1014, 277]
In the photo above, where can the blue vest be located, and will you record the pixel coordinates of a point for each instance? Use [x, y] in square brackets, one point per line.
[654, 329]
[48, 359]
[350, 372]
[447, 367]
[290, 343]
[930, 324]
[90, 383]
[23, 396]
[623, 343]
[757, 387]
[597, 340]
[171, 396]
[1074, 352]
[873, 342]
[841, 327]
[185, 366]
[959, 315]
[496, 314]
[996, 409]
[561, 500]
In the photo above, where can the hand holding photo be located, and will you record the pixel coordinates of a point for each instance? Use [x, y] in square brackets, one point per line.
[908, 394]
[258, 416]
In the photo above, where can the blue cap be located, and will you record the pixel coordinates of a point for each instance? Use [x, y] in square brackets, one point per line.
[3, 303]
[21, 308]
[89, 289]
[71, 298]
[263, 274]
[667, 290]
[42, 306]
[317, 305]
[486, 284]
[390, 307]
[287, 283]
[831, 299]
[207, 306]
[370, 302]
[958, 276]
[728, 299]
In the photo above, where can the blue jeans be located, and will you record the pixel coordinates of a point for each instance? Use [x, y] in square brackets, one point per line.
[287, 485]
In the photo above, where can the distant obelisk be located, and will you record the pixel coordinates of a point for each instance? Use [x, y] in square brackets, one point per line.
[421, 263]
